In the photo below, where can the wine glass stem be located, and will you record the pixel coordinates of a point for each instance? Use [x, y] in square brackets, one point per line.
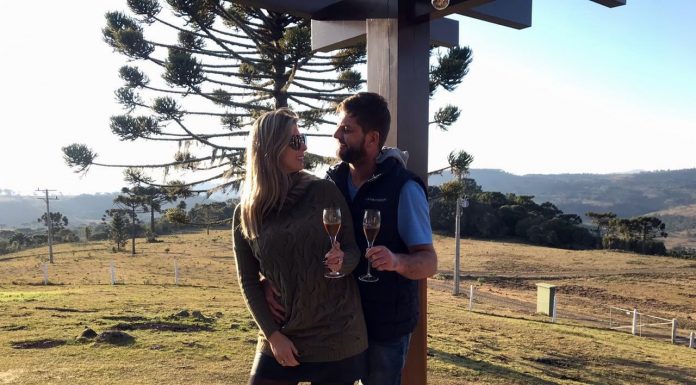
[369, 263]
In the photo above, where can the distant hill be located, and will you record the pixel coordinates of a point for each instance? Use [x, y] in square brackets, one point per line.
[21, 211]
[628, 195]
[671, 195]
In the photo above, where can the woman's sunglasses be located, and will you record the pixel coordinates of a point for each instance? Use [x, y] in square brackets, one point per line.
[296, 141]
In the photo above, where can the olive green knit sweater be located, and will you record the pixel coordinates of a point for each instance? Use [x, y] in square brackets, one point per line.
[324, 317]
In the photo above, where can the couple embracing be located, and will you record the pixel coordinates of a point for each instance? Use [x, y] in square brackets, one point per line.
[315, 329]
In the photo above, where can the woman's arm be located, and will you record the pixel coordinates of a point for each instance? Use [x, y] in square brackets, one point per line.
[248, 272]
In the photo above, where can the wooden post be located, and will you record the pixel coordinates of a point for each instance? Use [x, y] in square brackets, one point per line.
[45, 273]
[691, 340]
[458, 217]
[397, 69]
[113, 273]
[471, 297]
[674, 330]
[634, 324]
[176, 272]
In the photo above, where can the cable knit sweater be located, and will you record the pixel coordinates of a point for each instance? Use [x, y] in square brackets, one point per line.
[324, 317]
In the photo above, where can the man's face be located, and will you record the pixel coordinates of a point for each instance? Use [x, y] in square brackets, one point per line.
[351, 139]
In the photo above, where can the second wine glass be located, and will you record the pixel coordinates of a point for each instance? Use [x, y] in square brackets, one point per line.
[332, 224]
[371, 223]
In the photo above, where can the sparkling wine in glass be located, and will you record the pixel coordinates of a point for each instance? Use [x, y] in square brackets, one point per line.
[371, 222]
[332, 224]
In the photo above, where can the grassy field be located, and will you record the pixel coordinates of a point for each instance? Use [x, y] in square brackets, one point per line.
[213, 341]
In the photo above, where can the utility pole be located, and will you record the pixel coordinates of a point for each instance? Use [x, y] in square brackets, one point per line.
[49, 222]
[462, 203]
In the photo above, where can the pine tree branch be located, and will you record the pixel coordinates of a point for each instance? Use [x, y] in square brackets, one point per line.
[306, 87]
[203, 140]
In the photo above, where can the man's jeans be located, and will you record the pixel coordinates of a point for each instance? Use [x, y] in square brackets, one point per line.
[385, 360]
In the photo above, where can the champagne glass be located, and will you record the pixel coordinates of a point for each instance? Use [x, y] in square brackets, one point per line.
[332, 224]
[371, 221]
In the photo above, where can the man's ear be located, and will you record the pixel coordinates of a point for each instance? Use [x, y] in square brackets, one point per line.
[373, 137]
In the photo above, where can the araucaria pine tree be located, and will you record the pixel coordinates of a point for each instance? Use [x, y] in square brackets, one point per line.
[220, 65]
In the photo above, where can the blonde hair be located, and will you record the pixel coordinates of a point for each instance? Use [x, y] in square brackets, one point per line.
[265, 184]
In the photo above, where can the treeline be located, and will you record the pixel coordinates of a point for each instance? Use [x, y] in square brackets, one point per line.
[119, 227]
[20, 239]
[494, 215]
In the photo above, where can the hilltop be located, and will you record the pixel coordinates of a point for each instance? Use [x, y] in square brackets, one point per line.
[502, 342]
[669, 194]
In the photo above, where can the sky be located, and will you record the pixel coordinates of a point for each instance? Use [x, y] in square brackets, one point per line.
[586, 89]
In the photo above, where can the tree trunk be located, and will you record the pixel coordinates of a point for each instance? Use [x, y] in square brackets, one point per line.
[133, 232]
[152, 221]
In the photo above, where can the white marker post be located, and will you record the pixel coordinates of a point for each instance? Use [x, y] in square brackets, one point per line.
[176, 272]
[113, 273]
[471, 297]
[45, 273]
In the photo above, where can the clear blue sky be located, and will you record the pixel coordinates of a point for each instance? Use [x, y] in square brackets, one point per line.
[585, 89]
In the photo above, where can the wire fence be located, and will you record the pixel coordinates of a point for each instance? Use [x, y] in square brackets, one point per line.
[568, 310]
[218, 269]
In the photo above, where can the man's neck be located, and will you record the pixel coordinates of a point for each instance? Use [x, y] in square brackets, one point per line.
[362, 171]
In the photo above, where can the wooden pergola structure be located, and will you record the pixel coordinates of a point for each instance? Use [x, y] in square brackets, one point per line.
[398, 35]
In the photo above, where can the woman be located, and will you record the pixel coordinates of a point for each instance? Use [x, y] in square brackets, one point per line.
[278, 233]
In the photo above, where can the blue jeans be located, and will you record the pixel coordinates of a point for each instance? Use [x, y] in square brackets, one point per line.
[385, 360]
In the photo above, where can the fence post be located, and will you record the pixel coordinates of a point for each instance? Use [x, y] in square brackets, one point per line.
[674, 330]
[45, 273]
[176, 272]
[471, 297]
[691, 340]
[113, 273]
[553, 309]
[635, 321]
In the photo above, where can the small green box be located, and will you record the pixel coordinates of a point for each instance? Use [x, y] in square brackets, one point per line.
[546, 294]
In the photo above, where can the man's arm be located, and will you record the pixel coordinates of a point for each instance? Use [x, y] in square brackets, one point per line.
[420, 261]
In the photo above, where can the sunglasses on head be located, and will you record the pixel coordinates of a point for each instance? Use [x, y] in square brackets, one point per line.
[296, 141]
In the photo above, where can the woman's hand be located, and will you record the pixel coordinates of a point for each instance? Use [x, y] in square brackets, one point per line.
[283, 349]
[334, 258]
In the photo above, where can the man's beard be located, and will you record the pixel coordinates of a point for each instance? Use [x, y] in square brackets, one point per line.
[352, 155]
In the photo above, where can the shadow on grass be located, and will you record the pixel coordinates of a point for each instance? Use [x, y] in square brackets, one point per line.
[64, 309]
[489, 368]
[38, 344]
[659, 374]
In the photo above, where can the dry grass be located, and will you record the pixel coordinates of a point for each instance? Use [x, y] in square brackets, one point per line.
[464, 347]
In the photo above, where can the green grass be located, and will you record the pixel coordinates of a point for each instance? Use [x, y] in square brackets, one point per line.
[463, 347]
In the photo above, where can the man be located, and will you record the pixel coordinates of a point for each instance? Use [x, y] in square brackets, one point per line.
[373, 177]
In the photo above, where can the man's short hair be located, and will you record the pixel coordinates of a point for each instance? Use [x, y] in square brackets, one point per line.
[371, 112]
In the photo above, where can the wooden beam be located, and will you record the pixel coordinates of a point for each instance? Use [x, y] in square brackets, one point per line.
[302, 8]
[611, 3]
[330, 35]
[509, 13]
[444, 32]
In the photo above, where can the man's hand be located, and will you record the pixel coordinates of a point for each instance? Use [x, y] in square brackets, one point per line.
[420, 262]
[382, 259]
[273, 301]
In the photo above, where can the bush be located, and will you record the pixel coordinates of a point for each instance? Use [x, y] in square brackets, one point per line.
[4, 247]
[683, 252]
[648, 247]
